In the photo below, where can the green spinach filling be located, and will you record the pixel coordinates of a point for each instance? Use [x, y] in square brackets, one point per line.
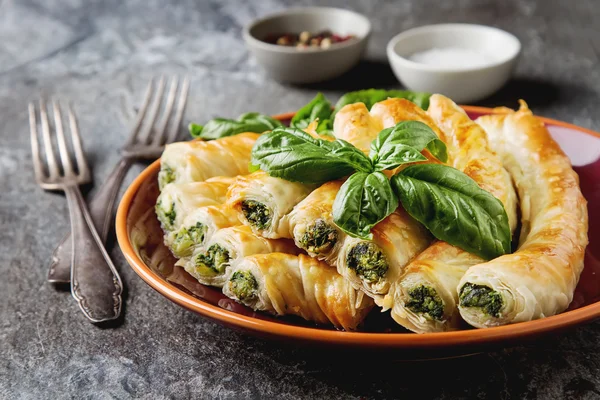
[213, 262]
[368, 261]
[244, 285]
[425, 300]
[166, 217]
[188, 237]
[256, 213]
[165, 176]
[319, 237]
[484, 297]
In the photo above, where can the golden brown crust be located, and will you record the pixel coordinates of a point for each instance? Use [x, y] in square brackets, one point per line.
[538, 280]
[442, 265]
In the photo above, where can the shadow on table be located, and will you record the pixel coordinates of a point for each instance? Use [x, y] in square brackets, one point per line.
[536, 93]
[365, 75]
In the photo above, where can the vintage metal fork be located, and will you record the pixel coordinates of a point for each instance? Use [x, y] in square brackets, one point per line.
[95, 283]
[146, 141]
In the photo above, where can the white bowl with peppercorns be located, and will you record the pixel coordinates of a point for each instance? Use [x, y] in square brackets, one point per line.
[306, 45]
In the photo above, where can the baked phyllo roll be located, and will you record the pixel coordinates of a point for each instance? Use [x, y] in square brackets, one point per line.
[311, 223]
[197, 160]
[537, 280]
[263, 202]
[284, 284]
[373, 265]
[197, 226]
[354, 124]
[209, 264]
[425, 299]
[178, 200]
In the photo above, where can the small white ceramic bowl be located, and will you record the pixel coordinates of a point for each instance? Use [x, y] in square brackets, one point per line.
[288, 64]
[462, 84]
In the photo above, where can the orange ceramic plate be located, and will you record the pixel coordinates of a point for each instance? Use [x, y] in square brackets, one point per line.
[140, 239]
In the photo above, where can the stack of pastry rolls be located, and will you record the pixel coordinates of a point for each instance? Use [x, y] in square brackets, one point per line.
[272, 245]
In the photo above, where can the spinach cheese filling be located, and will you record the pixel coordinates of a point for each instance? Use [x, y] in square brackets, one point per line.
[319, 237]
[188, 237]
[165, 176]
[368, 261]
[425, 300]
[213, 262]
[166, 216]
[257, 214]
[244, 285]
[481, 296]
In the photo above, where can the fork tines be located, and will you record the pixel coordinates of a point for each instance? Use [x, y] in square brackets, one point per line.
[144, 131]
[50, 172]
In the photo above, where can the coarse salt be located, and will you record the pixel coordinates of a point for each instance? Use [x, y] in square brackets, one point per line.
[451, 57]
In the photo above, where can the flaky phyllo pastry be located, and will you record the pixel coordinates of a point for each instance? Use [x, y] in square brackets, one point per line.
[238, 219]
[210, 263]
[425, 299]
[264, 202]
[539, 278]
[284, 284]
[197, 160]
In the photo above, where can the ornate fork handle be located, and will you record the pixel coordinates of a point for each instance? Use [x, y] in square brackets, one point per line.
[100, 210]
[95, 283]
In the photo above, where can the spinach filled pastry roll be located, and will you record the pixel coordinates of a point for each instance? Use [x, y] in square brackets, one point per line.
[197, 160]
[263, 202]
[373, 265]
[284, 284]
[178, 200]
[311, 223]
[538, 280]
[209, 263]
[197, 226]
[425, 299]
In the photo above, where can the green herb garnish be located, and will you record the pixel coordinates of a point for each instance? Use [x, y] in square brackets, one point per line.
[222, 127]
[454, 208]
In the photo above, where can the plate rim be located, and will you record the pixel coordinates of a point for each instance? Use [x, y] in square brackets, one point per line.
[408, 340]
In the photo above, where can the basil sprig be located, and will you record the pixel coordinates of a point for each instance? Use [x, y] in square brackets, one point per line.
[222, 127]
[363, 200]
[446, 201]
[371, 96]
[454, 208]
[294, 155]
[366, 197]
[319, 109]
[403, 144]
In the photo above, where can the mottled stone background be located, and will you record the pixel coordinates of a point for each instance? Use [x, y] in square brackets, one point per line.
[100, 54]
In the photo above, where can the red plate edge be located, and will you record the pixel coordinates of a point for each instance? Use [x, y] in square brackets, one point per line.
[355, 339]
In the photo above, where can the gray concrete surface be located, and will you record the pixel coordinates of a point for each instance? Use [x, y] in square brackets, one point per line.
[99, 55]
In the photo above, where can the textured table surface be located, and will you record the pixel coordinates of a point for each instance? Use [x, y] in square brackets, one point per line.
[100, 55]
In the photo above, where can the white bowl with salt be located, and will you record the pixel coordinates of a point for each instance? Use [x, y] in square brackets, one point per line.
[462, 61]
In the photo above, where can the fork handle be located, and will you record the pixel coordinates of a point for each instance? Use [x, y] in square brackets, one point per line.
[100, 209]
[95, 283]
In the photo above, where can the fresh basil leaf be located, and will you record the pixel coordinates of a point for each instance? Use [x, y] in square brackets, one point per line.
[371, 96]
[363, 201]
[222, 127]
[195, 129]
[294, 155]
[454, 208]
[318, 108]
[403, 144]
